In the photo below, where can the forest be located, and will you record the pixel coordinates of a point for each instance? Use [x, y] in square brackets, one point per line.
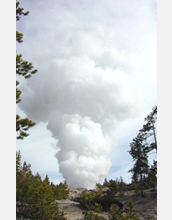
[36, 197]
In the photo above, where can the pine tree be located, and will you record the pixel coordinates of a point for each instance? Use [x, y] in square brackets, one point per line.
[113, 188]
[121, 185]
[139, 155]
[61, 191]
[152, 175]
[149, 129]
[26, 70]
[42, 200]
[38, 194]
[130, 209]
[115, 213]
[23, 172]
[141, 146]
[105, 183]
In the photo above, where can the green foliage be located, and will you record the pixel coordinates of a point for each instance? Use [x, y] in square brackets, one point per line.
[130, 210]
[18, 93]
[97, 201]
[99, 187]
[137, 189]
[152, 175]
[149, 129]
[23, 173]
[105, 183]
[121, 186]
[130, 207]
[139, 149]
[22, 125]
[19, 37]
[107, 200]
[139, 155]
[36, 193]
[113, 188]
[92, 216]
[115, 214]
[42, 199]
[24, 69]
[61, 191]
[87, 200]
[19, 11]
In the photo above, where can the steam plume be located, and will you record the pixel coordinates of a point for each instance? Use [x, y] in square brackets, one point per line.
[81, 93]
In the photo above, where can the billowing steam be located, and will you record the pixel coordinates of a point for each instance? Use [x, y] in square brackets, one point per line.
[81, 93]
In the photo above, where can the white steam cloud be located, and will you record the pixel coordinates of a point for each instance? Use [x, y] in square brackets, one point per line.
[83, 150]
[84, 92]
[81, 93]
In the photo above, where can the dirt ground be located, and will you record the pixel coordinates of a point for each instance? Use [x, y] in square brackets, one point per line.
[70, 209]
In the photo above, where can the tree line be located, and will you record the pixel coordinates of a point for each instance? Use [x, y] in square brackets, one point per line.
[40, 195]
[143, 177]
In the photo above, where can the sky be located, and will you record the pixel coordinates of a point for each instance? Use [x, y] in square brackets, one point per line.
[96, 81]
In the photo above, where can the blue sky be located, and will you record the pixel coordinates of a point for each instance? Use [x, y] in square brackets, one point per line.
[96, 63]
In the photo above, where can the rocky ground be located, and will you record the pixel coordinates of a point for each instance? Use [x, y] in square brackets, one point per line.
[145, 206]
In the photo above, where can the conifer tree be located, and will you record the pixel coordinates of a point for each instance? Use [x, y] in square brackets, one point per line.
[141, 146]
[139, 155]
[42, 200]
[149, 129]
[130, 209]
[26, 70]
[152, 175]
[36, 193]
[115, 213]
[61, 191]
[23, 173]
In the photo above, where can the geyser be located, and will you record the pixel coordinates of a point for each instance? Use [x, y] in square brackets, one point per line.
[80, 94]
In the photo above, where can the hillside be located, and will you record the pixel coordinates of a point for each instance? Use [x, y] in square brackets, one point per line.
[145, 206]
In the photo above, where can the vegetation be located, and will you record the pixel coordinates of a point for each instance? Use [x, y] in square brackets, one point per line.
[115, 186]
[37, 193]
[40, 195]
[105, 200]
[115, 214]
[144, 176]
[91, 216]
[149, 130]
[93, 202]
[60, 191]
[25, 69]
